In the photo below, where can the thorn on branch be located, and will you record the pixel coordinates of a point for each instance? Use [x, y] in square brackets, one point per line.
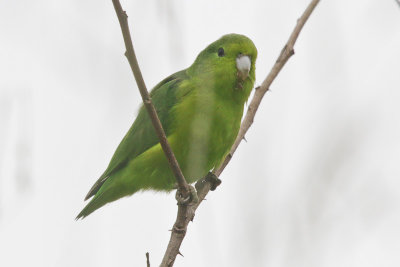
[180, 253]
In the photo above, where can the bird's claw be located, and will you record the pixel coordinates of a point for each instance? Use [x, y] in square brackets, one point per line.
[213, 180]
[192, 198]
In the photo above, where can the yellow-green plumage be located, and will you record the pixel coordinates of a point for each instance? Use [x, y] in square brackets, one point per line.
[200, 109]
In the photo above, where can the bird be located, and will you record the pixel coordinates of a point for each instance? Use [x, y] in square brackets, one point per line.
[200, 109]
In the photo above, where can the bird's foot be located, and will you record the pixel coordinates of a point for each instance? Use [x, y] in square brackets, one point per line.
[213, 180]
[192, 198]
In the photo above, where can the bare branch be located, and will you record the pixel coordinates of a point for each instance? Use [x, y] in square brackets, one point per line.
[203, 186]
[285, 54]
[148, 259]
[131, 56]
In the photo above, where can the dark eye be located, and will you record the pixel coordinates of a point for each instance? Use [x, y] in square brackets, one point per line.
[221, 52]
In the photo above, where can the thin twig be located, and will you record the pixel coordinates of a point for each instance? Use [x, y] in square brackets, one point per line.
[148, 259]
[203, 186]
[285, 54]
[131, 56]
[398, 2]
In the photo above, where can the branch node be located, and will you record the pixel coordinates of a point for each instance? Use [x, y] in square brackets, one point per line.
[186, 198]
[178, 230]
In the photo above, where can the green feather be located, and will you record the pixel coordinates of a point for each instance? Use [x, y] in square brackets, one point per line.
[141, 135]
[200, 109]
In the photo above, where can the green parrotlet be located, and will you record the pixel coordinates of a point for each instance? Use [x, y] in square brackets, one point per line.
[200, 109]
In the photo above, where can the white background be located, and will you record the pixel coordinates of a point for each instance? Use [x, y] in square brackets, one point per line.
[317, 183]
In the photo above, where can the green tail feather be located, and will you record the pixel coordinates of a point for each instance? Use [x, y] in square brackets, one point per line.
[109, 192]
[93, 205]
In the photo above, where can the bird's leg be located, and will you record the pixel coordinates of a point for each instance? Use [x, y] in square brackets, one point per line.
[213, 180]
[191, 198]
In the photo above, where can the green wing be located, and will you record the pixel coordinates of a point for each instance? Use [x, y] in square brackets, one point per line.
[141, 136]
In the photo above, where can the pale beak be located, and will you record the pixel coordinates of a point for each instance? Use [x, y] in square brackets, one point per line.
[243, 64]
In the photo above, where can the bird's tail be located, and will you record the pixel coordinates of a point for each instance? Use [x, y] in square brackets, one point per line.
[107, 193]
[93, 205]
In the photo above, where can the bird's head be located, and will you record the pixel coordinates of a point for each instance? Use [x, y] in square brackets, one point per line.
[230, 61]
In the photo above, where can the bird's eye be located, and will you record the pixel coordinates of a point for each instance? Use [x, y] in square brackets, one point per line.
[221, 52]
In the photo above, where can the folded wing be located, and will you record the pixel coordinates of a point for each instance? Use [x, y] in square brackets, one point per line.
[141, 136]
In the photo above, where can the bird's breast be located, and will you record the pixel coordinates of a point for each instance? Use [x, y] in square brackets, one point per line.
[206, 128]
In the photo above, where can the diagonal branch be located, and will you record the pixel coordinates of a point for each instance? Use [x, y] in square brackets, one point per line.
[284, 56]
[203, 186]
[131, 56]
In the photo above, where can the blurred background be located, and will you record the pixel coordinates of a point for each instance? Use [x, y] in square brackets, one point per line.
[316, 184]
